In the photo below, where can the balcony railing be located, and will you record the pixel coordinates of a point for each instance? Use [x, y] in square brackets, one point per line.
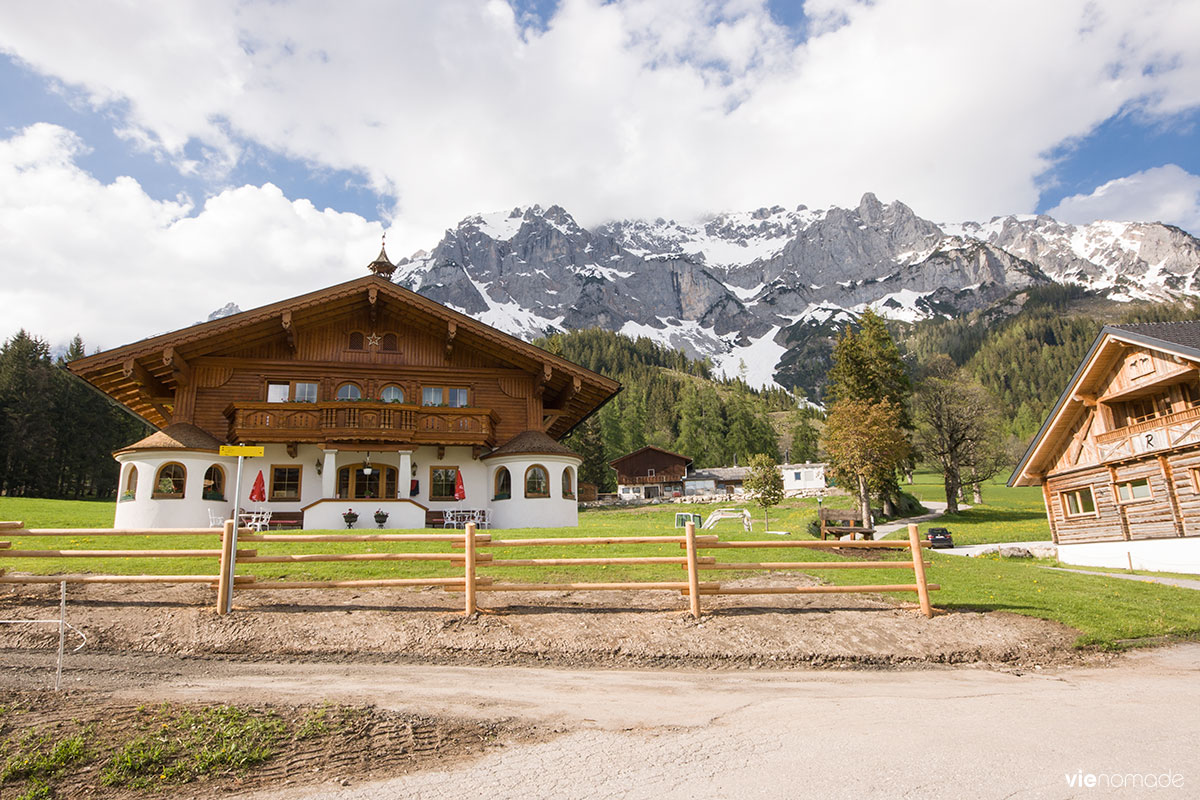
[662, 477]
[360, 421]
[1160, 433]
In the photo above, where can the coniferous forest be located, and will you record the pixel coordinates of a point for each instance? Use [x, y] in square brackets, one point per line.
[57, 434]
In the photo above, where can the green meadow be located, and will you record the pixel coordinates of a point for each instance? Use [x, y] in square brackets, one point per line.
[1109, 613]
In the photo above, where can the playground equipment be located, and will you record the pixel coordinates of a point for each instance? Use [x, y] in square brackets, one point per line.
[727, 513]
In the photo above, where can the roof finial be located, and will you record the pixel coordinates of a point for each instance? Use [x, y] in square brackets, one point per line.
[381, 265]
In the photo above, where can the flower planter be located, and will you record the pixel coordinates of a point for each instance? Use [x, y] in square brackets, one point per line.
[350, 519]
[381, 519]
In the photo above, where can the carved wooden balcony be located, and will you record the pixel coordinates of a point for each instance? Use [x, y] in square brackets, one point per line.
[360, 421]
[1161, 433]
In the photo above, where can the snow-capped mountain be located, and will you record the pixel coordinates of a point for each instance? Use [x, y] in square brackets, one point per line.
[742, 288]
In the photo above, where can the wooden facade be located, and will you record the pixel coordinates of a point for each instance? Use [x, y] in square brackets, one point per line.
[650, 472]
[1119, 456]
[366, 398]
[352, 365]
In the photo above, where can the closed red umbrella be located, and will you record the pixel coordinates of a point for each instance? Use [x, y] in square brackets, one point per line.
[258, 494]
[459, 492]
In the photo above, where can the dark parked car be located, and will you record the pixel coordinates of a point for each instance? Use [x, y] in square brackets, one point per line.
[940, 537]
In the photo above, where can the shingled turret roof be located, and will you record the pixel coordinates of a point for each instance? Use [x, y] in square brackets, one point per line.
[532, 443]
[178, 436]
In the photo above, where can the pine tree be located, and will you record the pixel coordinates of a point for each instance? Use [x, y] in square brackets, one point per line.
[868, 366]
[803, 437]
[27, 426]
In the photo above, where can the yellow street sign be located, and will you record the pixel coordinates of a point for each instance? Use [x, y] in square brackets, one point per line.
[242, 450]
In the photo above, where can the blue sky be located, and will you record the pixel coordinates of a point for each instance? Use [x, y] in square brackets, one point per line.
[201, 132]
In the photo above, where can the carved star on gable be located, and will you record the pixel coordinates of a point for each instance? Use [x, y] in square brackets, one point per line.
[373, 340]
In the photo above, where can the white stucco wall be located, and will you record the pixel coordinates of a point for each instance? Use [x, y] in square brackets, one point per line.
[189, 511]
[1159, 555]
[812, 476]
[519, 511]
[322, 510]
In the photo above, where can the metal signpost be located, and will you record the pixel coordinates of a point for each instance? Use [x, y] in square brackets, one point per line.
[241, 451]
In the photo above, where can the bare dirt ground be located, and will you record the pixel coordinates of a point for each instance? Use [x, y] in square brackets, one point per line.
[410, 663]
[567, 629]
[353, 744]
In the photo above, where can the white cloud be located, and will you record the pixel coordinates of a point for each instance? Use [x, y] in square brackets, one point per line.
[635, 107]
[1163, 194]
[115, 265]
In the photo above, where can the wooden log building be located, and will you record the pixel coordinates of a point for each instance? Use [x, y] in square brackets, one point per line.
[1118, 458]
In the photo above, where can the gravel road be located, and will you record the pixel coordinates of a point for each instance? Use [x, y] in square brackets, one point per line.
[932, 733]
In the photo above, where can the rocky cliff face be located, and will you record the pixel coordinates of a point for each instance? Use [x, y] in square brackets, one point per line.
[738, 287]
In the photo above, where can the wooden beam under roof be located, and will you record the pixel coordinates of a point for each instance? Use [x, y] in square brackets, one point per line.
[285, 319]
[147, 387]
[181, 371]
[567, 394]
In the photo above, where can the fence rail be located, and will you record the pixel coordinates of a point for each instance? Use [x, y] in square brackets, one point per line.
[464, 552]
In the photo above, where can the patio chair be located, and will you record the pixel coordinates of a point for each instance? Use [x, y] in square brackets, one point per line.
[216, 519]
[259, 520]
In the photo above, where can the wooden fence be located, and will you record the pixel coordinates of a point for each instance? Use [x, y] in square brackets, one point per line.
[465, 551]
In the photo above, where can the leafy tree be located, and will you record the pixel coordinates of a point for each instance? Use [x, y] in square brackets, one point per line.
[765, 483]
[865, 445]
[958, 428]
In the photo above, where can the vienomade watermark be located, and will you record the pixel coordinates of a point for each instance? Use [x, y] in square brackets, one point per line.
[1124, 780]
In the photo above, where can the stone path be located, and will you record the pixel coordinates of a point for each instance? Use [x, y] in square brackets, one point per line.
[1184, 583]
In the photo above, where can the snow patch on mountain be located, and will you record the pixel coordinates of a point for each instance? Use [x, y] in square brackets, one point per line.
[755, 362]
[904, 306]
[499, 225]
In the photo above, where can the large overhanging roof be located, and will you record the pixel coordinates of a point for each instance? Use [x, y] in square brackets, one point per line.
[1177, 338]
[142, 376]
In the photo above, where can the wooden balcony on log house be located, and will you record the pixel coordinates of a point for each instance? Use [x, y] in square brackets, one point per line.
[672, 476]
[360, 421]
[1160, 433]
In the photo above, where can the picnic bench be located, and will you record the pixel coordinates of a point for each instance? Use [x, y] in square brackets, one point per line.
[286, 520]
[841, 522]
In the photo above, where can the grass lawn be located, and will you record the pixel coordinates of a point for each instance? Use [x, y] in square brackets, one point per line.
[1108, 612]
[1006, 515]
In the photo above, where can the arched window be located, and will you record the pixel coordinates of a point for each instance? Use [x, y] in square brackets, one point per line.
[130, 483]
[568, 483]
[392, 394]
[355, 484]
[388, 343]
[503, 484]
[214, 483]
[537, 481]
[349, 391]
[356, 340]
[169, 482]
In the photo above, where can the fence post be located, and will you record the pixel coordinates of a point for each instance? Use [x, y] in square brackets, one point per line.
[918, 558]
[693, 571]
[469, 568]
[225, 577]
[62, 633]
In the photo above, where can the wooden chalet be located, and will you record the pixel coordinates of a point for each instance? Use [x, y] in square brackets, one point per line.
[364, 394]
[1118, 459]
[650, 472]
